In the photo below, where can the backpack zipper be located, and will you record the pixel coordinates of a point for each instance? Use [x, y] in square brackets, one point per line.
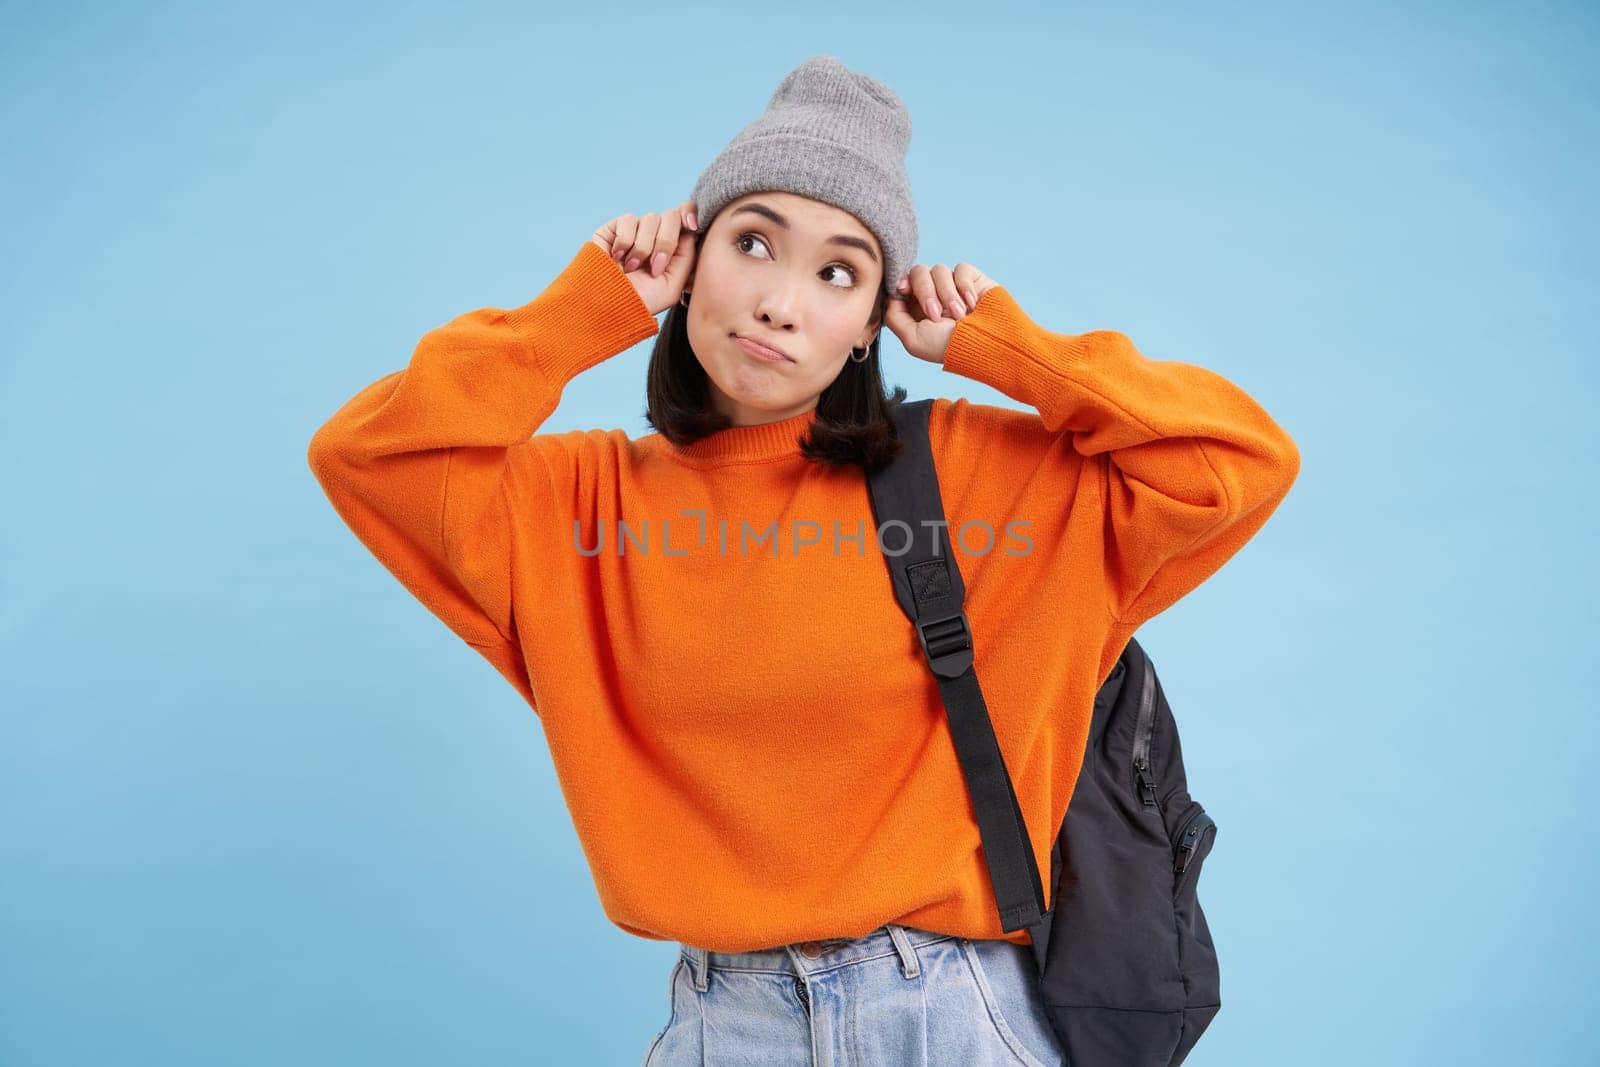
[1189, 842]
[1144, 729]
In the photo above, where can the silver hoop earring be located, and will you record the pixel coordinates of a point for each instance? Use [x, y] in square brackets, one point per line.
[865, 352]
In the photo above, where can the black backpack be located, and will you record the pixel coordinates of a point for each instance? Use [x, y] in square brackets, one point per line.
[1126, 965]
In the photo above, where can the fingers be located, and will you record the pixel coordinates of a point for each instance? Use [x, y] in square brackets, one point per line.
[918, 287]
[666, 242]
[644, 243]
[938, 291]
[636, 238]
[944, 285]
[967, 279]
[626, 227]
[934, 290]
[650, 239]
[898, 315]
[682, 258]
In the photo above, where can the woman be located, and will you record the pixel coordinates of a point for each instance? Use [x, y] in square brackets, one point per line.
[753, 751]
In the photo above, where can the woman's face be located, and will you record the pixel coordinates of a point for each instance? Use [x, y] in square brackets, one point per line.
[790, 285]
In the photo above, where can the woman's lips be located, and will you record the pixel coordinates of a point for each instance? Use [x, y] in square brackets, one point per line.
[761, 351]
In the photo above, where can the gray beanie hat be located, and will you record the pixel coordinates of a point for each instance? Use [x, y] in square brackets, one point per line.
[832, 135]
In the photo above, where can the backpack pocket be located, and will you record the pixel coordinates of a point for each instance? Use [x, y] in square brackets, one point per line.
[1197, 956]
[1190, 847]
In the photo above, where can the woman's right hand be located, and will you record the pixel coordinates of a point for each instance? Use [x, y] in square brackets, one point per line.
[656, 250]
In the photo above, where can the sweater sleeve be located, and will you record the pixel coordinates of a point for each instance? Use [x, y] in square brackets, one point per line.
[428, 465]
[1189, 467]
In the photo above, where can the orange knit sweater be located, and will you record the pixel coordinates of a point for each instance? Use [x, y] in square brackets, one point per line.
[750, 744]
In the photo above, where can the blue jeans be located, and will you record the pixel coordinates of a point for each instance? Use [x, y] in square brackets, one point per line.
[898, 996]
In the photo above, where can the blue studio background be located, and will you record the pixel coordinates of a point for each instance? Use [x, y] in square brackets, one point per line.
[260, 807]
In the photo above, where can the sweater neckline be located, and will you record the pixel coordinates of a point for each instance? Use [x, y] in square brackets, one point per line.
[767, 440]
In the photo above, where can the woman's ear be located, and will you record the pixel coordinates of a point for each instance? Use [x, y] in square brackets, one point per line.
[694, 266]
[878, 311]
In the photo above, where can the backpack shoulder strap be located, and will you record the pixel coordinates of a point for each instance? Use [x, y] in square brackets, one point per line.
[927, 585]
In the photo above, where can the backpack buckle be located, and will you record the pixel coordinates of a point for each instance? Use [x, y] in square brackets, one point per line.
[947, 642]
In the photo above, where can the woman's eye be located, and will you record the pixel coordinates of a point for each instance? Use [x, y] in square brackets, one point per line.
[739, 243]
[847, 270]
[743, 237]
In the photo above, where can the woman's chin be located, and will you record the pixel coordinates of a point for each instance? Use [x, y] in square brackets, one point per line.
[752, 389]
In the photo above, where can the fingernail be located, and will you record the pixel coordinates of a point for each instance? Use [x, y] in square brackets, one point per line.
[933, 308]
[901, 284]
[694, 221]
[633, 264]
[657, 261]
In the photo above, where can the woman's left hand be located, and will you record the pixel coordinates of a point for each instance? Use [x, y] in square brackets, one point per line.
[930, 301]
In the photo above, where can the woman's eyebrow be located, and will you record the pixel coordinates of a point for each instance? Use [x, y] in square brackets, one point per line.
[778, 220]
